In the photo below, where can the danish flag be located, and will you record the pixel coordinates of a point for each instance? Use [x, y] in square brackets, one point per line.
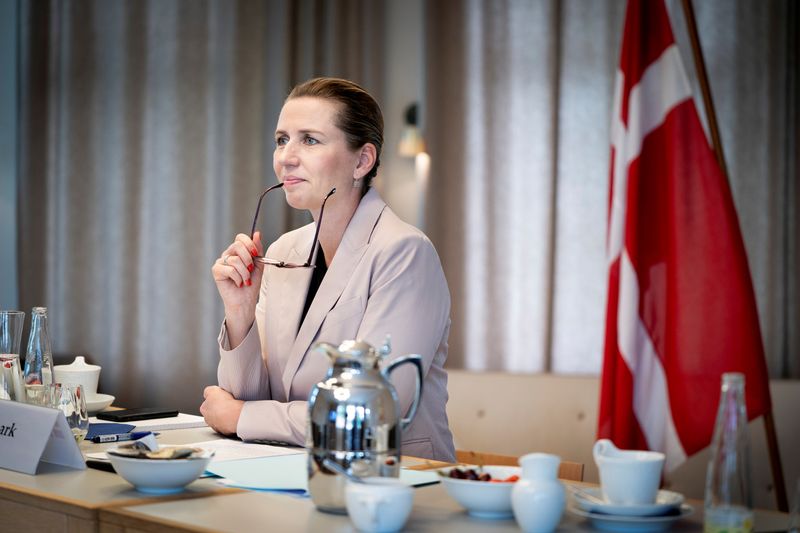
[681, 309]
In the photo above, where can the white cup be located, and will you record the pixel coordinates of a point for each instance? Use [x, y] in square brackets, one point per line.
[79, 373]
[628, 477]
[380, 505]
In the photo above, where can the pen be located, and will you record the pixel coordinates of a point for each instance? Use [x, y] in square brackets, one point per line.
[122, 436]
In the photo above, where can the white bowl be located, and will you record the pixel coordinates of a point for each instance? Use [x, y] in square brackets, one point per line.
[98, 402]
[484, 499]
[160, 476]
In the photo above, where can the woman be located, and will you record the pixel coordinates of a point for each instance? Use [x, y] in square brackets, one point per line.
[374, 275]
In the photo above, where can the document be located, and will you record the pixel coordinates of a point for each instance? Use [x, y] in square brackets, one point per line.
[226, 450]
[231, 450]
[283, 472]
[289, 473]
[181, 421]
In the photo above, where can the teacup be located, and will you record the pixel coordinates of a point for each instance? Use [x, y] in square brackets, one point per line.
[628, 477]
[79, 373]
[379, 505]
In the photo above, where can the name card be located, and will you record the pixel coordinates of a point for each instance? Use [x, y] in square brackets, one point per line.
[30, 435]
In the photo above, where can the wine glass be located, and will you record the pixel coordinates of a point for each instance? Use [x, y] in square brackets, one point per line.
[70, 400]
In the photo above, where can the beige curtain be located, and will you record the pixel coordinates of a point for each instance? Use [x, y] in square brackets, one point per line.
[146, 134]
[517, 117]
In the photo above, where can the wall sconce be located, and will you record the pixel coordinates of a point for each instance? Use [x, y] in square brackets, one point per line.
[411, 141]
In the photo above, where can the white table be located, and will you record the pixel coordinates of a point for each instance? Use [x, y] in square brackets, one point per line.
[60, 499]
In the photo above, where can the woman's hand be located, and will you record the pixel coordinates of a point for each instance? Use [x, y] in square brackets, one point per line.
[221, 410]
[238, 280]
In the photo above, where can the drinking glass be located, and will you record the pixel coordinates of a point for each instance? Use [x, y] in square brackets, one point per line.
[38, 394]
[11, 331]
[70, 400]
[10, 341]
[11, 387]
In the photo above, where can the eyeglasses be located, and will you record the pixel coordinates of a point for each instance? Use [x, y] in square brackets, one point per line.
[310, 262]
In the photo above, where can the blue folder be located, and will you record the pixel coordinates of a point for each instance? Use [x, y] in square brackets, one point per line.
[107, 428]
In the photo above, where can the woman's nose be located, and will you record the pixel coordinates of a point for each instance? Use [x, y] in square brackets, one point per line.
[287, 155]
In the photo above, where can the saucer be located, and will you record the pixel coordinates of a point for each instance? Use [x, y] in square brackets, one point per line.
[648, 524]
[665, 501]
[98, 402]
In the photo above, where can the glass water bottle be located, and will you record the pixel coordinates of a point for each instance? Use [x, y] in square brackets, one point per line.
[728, 498]
[39, 359]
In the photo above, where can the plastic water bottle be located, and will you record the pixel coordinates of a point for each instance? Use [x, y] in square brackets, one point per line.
[729, 500]
[39, 359]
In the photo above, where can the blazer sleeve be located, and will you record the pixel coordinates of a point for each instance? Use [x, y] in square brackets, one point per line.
[409, 300]
[274, 420]
[242, 371]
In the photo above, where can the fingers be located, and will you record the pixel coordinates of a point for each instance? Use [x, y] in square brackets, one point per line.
[236, 262]
[241, 254]
[257, 242]
[214, 390]
[221, 410]
[224, 270]
[239, 268]
[248, 247]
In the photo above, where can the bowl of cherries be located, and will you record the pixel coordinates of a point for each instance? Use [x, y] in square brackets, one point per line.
[485, 491]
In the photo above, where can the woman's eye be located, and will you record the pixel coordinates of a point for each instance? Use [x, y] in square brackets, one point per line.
[310, 140]
[280, 141]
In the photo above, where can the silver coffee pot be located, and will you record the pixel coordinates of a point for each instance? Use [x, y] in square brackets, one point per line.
[354, 420]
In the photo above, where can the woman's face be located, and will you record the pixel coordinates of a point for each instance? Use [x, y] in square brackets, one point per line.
[312, 155]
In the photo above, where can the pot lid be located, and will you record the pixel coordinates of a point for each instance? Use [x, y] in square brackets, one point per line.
[79, 365]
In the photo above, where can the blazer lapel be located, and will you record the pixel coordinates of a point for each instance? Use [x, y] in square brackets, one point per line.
[290, 286]
[351, 250]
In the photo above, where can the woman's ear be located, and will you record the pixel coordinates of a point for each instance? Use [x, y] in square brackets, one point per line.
[367, 157]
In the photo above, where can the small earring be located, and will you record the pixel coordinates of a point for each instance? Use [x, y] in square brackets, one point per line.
[356, 183]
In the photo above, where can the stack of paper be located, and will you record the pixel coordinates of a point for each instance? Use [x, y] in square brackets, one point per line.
[286, 472]
[282, 472]
[181, 421]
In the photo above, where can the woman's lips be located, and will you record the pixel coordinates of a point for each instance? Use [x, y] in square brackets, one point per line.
[291, 180]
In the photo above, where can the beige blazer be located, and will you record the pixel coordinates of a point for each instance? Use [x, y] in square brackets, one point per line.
[385, 278]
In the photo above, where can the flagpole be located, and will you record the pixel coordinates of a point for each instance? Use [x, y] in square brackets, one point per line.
[769, 422]
[705, 89]
[775, 462]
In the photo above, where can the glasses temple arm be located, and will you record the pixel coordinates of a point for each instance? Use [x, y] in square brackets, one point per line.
[258, 207]
[312, 256]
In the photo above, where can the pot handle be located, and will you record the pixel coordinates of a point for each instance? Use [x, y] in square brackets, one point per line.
[416, 360]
